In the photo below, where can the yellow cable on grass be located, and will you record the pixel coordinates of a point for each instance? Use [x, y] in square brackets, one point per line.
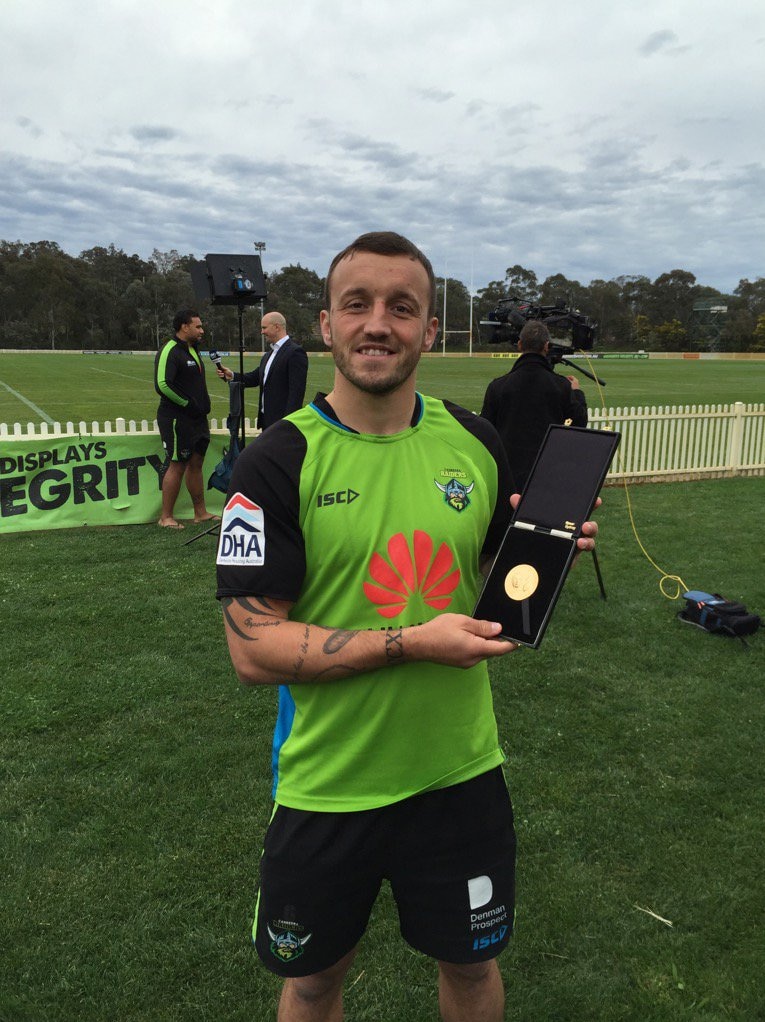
[681, 587]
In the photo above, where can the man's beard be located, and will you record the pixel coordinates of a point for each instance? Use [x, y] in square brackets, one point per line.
[379, 383]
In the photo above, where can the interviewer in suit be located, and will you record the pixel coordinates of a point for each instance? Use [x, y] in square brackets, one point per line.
[281, 374]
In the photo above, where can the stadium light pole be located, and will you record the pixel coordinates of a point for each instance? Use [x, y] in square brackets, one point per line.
[470, 333]
[443, 324]
[260, 247]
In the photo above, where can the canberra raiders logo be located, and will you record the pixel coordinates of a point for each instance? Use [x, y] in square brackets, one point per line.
[285, 945]
[455, 493]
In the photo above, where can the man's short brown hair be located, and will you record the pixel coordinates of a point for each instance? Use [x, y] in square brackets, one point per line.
[386, 243]
[533, 336]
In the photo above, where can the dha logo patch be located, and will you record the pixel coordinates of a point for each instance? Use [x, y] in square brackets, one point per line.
[242, 537]
[409, 569]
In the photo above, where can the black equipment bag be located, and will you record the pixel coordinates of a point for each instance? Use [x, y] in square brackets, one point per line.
[713, 613]
[221, 477]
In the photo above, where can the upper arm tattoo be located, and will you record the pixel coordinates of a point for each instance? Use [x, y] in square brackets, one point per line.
[264, 611]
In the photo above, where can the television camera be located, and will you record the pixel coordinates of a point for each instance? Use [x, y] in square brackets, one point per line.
[569, 329]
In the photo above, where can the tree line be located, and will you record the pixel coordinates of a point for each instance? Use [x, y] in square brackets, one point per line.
[105, 299]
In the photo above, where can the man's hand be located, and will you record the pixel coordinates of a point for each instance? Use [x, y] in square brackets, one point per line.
[267, 648]
[589, 529]
[456, 641]
[224, 373]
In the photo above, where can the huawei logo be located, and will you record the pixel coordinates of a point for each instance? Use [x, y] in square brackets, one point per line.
[408, 570]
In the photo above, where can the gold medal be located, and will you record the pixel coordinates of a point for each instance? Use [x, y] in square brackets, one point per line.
[521, 582]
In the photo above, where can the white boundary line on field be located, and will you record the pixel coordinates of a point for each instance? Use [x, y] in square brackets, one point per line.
[142, 382]
[28, 403]
[125, 376]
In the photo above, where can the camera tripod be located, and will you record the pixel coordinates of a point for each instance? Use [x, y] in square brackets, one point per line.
[585, 372]
[214, 528]
[596, 563]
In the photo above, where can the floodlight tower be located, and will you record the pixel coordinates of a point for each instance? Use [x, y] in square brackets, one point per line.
[260, 247]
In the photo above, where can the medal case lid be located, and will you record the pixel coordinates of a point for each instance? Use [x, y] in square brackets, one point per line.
[565, 479]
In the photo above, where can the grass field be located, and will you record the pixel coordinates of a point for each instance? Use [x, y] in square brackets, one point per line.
[135, 783]
[135, 771]
[95, 388]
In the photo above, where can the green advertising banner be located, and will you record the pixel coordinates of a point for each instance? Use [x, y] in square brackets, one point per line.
[110, 480]
[623, 354]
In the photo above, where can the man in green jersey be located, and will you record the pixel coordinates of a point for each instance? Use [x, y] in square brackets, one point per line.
[348, 567]
[179, 379]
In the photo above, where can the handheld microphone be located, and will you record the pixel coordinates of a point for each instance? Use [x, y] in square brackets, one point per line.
[216, 359]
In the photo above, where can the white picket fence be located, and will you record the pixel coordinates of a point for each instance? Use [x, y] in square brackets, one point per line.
[120, 427]
[691, 442]
[658, 444]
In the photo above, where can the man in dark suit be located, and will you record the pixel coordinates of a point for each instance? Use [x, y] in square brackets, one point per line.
[281, 374]
[524, 402]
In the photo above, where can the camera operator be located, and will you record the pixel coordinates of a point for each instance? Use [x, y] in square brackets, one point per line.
[524, 402]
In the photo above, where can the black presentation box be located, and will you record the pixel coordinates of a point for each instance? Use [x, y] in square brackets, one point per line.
[534, 558]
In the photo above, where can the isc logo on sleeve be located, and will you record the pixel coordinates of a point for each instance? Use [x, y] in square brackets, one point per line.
[242, 535]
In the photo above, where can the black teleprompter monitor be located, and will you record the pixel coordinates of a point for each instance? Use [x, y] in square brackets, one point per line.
[229, 279]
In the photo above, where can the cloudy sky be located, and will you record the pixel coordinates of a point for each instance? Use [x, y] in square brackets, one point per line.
[592, 139]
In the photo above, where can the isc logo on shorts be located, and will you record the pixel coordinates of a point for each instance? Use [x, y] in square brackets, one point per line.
[242, 536]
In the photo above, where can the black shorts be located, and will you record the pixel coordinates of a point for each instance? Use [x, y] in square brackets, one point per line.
[183, 435]
[449, 856]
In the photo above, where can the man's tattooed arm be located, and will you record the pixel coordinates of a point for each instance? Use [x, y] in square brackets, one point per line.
[267, 648]
[394, 646]
[258, 616]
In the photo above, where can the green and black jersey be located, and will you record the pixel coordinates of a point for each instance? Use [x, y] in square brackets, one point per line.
[179, 379]
[375, 532]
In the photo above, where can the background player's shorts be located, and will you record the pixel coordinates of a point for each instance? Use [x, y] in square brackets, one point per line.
[449, 856]
[182, 435]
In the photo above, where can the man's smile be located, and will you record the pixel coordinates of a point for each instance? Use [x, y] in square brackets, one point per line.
[374, 351]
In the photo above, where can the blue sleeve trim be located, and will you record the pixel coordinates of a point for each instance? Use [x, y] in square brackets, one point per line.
[284, 719]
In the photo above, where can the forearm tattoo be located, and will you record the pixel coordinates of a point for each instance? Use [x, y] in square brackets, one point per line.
[335, 642]
[394, 646]
[297, 667]
[260, 614]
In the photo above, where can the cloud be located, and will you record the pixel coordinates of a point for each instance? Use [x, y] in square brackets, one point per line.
[153, 133]
[613, 215]
[436, 95]
[29, 126]
[663, 41]
[473, 132]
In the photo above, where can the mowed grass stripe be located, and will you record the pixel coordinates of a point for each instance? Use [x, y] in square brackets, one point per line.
[96, 388]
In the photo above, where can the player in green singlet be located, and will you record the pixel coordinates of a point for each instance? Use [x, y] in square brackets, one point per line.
[348, 567]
